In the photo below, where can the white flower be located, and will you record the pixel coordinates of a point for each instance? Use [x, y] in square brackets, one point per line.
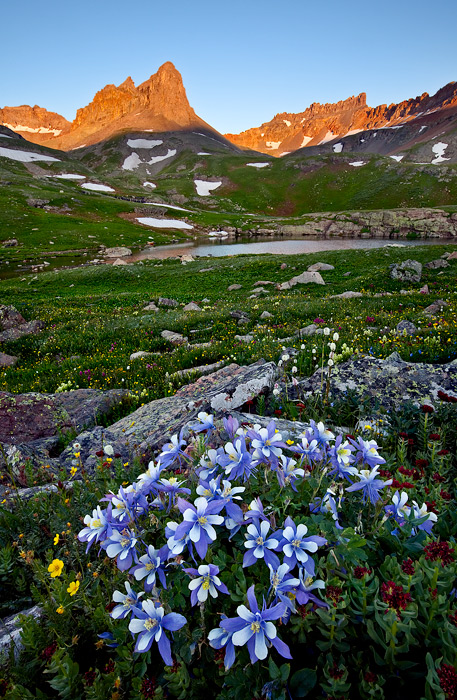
[326, 331]
[276, 392]
[332, 346]
[336, 337]
[294, 369]
[330, 363]
[285, 357]
[108, 450]
[302, 347]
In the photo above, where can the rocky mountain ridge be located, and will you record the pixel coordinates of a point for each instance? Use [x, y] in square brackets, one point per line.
[320, 124]
[157, 105]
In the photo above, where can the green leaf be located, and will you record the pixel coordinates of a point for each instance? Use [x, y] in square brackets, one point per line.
[303, 681]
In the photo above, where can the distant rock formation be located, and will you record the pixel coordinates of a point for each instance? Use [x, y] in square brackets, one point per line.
[158, 104]
[321, 123]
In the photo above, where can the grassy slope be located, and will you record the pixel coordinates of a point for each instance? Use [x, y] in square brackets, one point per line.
[94, 316]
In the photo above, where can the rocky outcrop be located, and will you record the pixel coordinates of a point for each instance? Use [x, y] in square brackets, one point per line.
[388, 382]
[321, 123]
[385, 223]
[36, 124]
[14, 326]
[149, 427]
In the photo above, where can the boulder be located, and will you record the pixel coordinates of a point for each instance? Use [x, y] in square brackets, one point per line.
[317, 267]
[151, 307]
[283, 266]
[10, 318]
[424, 289]
[453, 255]
[304, 278]
[234, 287]
[406, 328]
[117, 252]
[307, 331]
[150, 426]
[265, 314]
[347, 295]
[435, 307]
[191, 307]
[10, 243]
[174, 338]
[244, 338]
[7, 360]
[164, 301]
[119, 262]
[10, 632]
[407, 271]
[436, 264]
[141, 353]
[262, 283]
[28, 328]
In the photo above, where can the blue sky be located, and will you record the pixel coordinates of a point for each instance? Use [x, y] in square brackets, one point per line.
[242, 61]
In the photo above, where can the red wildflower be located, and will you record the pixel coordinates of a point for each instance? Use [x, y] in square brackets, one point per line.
[438, 478]
[439, 550]
[110, 607]
[48, 651]
[148, 687]
[442, 453]
[89, 678]
[109, 667]
[370, 677]
[334, 592]
[336, 672]
[426, 408]
[360, 571]
[448, 680]
[431, 506]
[407, 567]
[453, 617]
[445, 495]
[385, 473]
[395, 596]
[404, 436]
[421, 463]
[434, 436]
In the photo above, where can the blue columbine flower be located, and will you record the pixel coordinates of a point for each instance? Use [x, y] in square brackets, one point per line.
[320, 433]
[127, 602]
[260, 546]
[255, 511]
[267, 443]
[307, 584]
[176, 545]
[288, 472]
[254, 628]
[172, 451]
[206, 582]
[367, 452]
[148, 480]
[283, 584]
[172, 486]
[237, 461]
[327, 504]
[198, 522]
[122, 546]
[206, 423]
[210, 489]
[98, 527]
[220, 638]
[231, 425]
[308, 449]
[340, 458]
[150, 623]
[369, 484]
[296, 546]
[209, 463]
[150, 565]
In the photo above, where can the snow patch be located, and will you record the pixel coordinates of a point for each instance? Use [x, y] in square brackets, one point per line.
[422, 128]
[337, 148]
[156, 159]
[258, 165]
[397, 158]
[132, 162]
[274, 145]
[70, 176]
[439, 150]
[204, 153]
[204, 188]
[163, 223]
[5, 136]
[167, 206]
[329, 136]
[96, 187]
[358, 163]
[37, 130]
[25, 156]
[306, 140]
[287, 122]
[149, 184]
[143, 143]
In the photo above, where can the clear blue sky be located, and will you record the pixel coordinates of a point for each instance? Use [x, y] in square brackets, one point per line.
[242, 61]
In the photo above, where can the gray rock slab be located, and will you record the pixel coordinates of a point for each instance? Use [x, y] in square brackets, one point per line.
[150, 426]
[140, 354]
[304, 278]
[192, 306]
[436, 264]
[307, 330]
[7, 360]
[28, 328]
[317, 267]
[151, 307]
[347, 295]
[265, 314]
[10, 632]
[164, 301]
[406, 328]
[234, 287]
[174, 338]
[244, 338]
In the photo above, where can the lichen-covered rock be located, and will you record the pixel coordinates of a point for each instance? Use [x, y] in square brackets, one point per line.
[406, 328]
[304, 278]
[7, 360]
[389, 382]
[164, 301]
[174, 338]
[149, 427]
[436, 264]
[407, 271]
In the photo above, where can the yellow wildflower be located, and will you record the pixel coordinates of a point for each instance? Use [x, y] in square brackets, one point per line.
[55, 567]
[73, 587]
[56, 539]
[73, 471]
[60, 610]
